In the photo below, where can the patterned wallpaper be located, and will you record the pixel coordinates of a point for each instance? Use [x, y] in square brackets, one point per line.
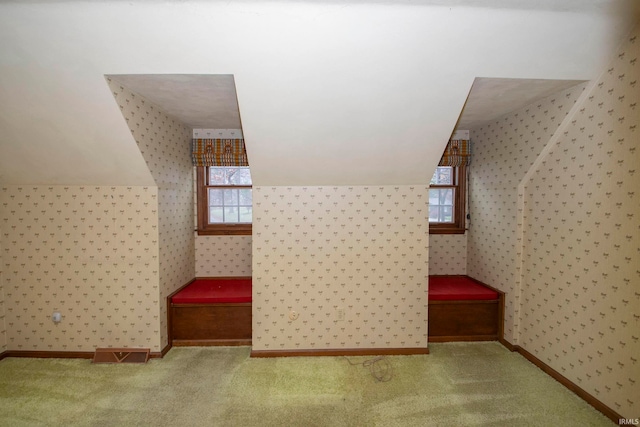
[220, 256]
[581, 278]
[87, 252]
[105, 257]
[317, 250]
[165, 145]
[3, 326]
[447, 254]
[217, 133]
[503, 151]
[575, 304]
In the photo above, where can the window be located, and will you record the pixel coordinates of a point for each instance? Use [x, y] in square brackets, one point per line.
[224, 200]
[447, 200]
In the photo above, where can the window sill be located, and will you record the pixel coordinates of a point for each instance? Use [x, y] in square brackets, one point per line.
[226, 230]
[446, 230]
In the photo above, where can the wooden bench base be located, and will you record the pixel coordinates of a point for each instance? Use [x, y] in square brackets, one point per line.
[230, 323]
[212, 320]
[466, 320]
[463, 321]
[211, 324]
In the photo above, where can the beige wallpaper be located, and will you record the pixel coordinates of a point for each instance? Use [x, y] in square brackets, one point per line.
[503, 151]
[581, 279]
[220, 256]
[447, 254]
[575, 303]
[165, 144]
[3, 326]
[317, 250]
[87, 252]
[105, 257]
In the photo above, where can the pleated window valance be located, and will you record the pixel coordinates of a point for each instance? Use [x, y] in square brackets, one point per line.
[457, 153]
[219, 152]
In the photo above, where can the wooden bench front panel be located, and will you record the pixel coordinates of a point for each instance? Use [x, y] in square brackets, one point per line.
[209, 323]
[475, 320]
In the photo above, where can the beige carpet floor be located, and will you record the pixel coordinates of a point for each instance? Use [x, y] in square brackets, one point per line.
[458, 384]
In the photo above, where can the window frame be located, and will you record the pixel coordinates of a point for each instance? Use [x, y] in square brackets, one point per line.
[459, 204]
[204, 228]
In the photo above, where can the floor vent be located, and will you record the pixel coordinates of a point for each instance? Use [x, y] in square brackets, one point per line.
[121, 355]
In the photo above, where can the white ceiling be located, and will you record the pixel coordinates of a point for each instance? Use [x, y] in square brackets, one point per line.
[347, 92]
[202, 101]
[210, 102]
[551, 5]
[492, 98]
[198, 101]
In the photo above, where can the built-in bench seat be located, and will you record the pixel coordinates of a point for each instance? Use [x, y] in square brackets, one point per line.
[464, 309]
[211, 311]
[217, 311]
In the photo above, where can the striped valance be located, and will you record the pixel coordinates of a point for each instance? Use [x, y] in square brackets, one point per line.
[219, 152]
[457, 153]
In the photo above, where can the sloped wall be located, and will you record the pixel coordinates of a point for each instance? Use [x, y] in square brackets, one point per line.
[503, 151]
[360, 248]
[88, 252]
[165, 146]
[580, 304]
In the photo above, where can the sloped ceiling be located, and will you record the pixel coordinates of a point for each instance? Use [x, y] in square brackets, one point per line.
[493, 98]
[330, 93]
[198, 101]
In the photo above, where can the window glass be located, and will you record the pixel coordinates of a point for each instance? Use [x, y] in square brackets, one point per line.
[229, 205]
[443, 176]
[441, 205]
[229, 175]
[225, 204]
[447, 200]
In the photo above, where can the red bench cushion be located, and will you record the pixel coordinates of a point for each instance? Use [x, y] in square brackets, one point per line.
[446, 288]
[207, 291]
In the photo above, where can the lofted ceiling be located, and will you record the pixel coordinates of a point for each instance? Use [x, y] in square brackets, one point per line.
[198, 101]
[209, 102]
[492, 98]
[330, 92]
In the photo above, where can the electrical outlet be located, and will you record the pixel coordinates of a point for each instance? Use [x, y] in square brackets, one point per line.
[340, 313]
